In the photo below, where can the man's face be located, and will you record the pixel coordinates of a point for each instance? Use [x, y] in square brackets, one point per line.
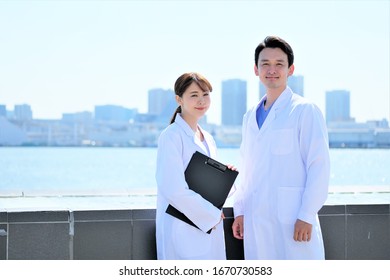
[273, 69]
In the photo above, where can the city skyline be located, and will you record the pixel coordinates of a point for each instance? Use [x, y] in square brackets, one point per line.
[158, 102]
[67, 57]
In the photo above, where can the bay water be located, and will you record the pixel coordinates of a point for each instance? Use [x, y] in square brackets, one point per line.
[94, 178]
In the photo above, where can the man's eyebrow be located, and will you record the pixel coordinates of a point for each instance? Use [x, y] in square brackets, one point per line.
[280, 60]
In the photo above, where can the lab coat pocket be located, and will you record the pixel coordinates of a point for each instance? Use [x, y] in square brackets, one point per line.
[190, 242]
[289, 203]
[282, 141]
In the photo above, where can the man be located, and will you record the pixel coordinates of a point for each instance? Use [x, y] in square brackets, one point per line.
[284, 166]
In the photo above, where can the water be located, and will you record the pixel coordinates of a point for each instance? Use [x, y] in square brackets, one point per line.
[124, 177]
[76, 171]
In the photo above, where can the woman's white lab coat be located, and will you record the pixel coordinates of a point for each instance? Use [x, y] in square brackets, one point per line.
[284, 177]
[175, 238]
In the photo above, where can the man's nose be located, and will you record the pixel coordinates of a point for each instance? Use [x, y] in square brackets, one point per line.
[271, 70]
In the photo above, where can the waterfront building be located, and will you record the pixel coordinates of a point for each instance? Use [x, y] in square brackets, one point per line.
[23, 112]
[83, 117]
[114, 113]
[350, 134]
[234, 95]
[337, 106]
[11, 134]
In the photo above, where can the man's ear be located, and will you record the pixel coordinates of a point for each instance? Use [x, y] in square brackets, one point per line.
[256, 70]
[291, 70]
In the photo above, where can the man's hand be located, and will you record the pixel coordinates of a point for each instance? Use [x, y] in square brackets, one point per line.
[302, 231]
[238, 227]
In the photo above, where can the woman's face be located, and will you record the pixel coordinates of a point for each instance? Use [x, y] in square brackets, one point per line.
[194, 102]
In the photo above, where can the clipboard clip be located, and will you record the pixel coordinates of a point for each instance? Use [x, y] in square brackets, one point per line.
[216, 164]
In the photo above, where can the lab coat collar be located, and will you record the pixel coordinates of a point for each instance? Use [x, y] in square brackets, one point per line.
[184, 125]
[188, 130]
[190, 133]
[282, 99]
[279, 104]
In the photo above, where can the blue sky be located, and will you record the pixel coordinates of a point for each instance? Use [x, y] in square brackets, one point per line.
[68, 56]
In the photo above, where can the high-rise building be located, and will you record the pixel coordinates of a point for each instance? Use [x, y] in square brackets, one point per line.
[159, 99]
[337, 106]
[295, 82]
[161, 103]
[23, 112]
[262, 90]
[234, 94]
[3, 111]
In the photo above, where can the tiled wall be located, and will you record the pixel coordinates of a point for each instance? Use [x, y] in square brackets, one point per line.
[350, 232]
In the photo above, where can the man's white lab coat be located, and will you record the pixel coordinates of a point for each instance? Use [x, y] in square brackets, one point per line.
[175, 238]
[284, 173]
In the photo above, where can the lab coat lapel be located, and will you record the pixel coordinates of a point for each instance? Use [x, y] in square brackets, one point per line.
[209, 141]
[268, 121]
[190, 133]
[279, 104]
[183, 125]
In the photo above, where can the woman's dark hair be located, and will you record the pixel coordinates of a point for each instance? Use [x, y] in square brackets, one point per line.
[275, 42]
[184, 81]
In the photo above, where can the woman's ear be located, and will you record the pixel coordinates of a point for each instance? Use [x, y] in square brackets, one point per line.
[178, 99]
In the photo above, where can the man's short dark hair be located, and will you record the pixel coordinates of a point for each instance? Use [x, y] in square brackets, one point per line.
[275, 42]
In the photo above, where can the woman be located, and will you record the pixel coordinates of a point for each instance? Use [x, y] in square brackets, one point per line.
[176, 145]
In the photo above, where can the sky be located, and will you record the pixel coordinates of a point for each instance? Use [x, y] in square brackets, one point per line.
[69, 56]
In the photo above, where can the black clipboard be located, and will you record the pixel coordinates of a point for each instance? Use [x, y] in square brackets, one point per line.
[209, 178]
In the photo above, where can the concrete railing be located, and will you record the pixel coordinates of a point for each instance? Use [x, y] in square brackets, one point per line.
[351, 232]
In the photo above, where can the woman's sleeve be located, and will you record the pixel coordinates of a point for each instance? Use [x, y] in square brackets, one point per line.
[172, 185]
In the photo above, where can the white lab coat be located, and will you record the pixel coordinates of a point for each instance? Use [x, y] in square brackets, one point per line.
[175, 238]
[284, 173]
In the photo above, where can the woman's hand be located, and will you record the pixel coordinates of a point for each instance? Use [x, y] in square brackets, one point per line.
[222, 218]
[231, 167]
